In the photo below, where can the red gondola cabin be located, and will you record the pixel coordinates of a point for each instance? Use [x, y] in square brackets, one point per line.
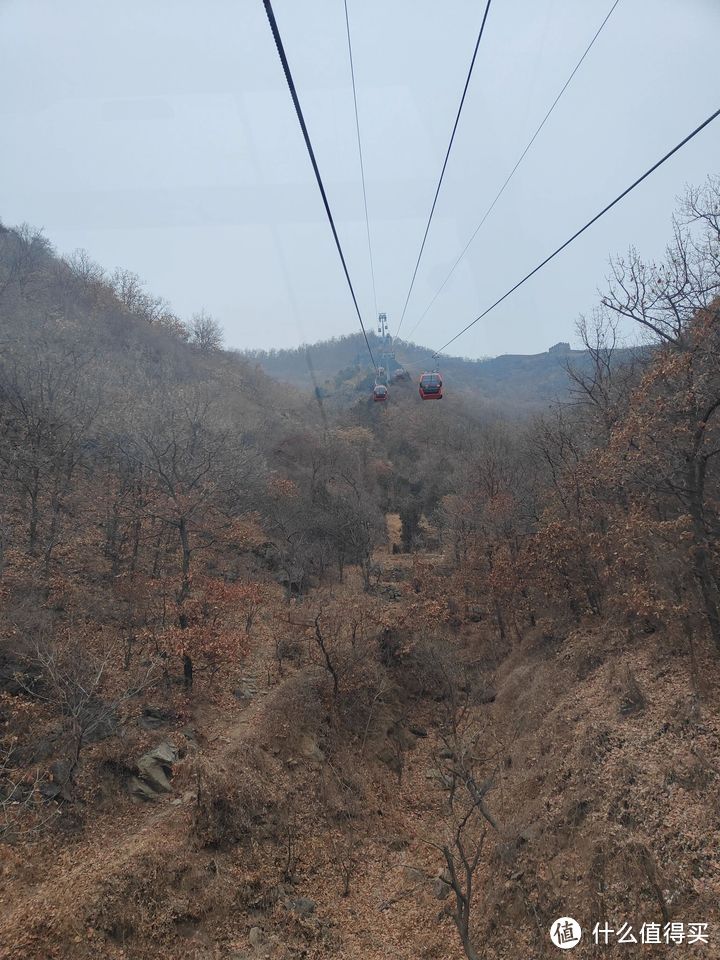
[431, 386]
[380, 392]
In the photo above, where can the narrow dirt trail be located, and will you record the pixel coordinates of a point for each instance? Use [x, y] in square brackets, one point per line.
[379, 920]
[117, 838]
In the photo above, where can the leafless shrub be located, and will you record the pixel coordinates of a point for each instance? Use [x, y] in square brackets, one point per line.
[291, 838]
[342, 792]
[74, 683]
[22, 812]
[432, 668]
[346, 847]
[467, 763]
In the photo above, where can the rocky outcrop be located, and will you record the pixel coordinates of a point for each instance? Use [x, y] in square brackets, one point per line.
[155, 717]
[154, 770]
[303, 906]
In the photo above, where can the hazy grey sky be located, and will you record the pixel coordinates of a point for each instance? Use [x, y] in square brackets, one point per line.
[160, 136]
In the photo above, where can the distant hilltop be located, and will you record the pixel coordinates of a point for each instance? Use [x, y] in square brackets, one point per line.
[340, 368]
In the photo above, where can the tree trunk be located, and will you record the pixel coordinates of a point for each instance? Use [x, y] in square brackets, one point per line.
[187, 672]
[34, 516]
[462, 921]
[156, 555]
[182, 597]
[708, 591]
[500, 619]
[470, 951]
[52, 536]
[702, 564]
[185, 543]
[365, 567]
[135, 544]
[128, 651]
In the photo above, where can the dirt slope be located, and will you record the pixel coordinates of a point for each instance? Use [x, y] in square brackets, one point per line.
[606, 773]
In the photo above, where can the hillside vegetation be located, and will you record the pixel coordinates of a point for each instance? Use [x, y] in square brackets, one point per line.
[338, 370]
[285, 678]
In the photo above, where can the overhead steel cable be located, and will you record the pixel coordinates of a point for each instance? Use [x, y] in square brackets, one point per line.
[582, 230]
[298, 110]
[445, 163]
[517, 164]
[360, 153]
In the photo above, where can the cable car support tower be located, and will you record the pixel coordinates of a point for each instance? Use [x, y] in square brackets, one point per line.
[386, 351]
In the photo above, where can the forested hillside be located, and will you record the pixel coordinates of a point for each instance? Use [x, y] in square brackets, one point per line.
[282, 677]
[514, 383]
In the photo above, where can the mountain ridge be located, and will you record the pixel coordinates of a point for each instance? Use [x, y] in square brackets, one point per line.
[340, 367]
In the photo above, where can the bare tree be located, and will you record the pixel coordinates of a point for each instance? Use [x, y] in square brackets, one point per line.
[73, 680]
[461, 762]
[601, 388]
[24, 253]
[50, 406]
[206, 333]
[84, 268]
[673, 431]
[20, 800]
[330, 665]
[130, 291]
[199, 471]
[662, 298]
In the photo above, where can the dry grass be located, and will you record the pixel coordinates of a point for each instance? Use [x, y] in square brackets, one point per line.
[603, 811]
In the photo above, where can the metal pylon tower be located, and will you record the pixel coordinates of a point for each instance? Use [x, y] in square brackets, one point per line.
[386, 351]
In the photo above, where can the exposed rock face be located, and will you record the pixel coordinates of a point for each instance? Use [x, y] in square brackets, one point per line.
[309, 749]
[303, 906]
[58, 788]
[256, 937]
[155, 717]
[247, 689]
[154, 772]
[440, 888]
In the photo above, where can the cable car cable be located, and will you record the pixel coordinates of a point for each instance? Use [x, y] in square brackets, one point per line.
[514, 169]
[360, 153]
[447, 156]
[582, 230]
[298, 110]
